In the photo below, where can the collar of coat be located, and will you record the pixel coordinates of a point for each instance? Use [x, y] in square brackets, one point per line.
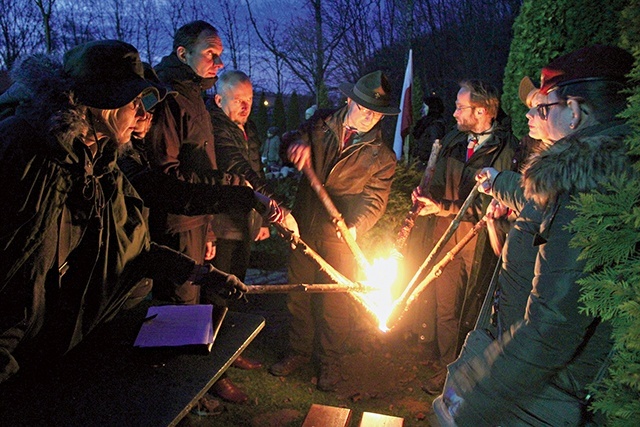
[47, 104]
[335, 122]
[173, 71]
[578, 163]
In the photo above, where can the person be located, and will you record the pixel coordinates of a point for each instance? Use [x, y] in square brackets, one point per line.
[74, 236]
[347, 153]
[180, 143]
[538, 372]
[162, 191]
[238, 151]
[271, 151]
[453, 300]
[430, 127]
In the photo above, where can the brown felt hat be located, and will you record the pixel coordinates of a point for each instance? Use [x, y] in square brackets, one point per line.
[107, 74]
[372, 92]
[598, 62]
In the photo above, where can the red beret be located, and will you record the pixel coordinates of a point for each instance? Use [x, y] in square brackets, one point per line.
[596, 62]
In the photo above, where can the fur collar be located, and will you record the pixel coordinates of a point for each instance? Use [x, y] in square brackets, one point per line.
[47, 102]
[578, 163]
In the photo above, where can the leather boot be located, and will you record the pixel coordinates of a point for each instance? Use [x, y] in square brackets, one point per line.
[229, 392]
[289, 364]
[242, 362]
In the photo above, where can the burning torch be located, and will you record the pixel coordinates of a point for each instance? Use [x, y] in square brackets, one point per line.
[415, 286]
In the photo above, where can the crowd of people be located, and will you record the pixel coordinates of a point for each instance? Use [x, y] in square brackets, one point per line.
[126, 182]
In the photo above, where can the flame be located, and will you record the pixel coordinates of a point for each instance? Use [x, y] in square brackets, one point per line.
[380, 278]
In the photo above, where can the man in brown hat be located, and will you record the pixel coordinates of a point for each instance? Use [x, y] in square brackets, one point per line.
[345, 149]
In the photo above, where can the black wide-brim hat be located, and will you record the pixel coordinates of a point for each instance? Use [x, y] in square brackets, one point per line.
[372, 92]
[108, 74]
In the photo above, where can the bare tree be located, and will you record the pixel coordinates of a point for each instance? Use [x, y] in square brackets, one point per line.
[77, 24]
[46, 8]
[309, 55]
[17, 21]
[148, 35]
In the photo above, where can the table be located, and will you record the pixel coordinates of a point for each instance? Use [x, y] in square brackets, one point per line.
[107, 382]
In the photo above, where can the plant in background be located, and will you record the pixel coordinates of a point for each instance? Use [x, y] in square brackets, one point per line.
[545, 29]
[381, 238]
[608, 231]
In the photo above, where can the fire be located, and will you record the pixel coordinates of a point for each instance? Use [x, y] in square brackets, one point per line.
[380, 277]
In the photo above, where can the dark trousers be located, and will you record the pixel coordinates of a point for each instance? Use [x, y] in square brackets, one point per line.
[232, 256]
[442, 300]
[321, 321]
[192, 243]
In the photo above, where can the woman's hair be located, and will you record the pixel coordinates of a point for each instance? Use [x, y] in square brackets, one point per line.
[605, 98]
[106, 118]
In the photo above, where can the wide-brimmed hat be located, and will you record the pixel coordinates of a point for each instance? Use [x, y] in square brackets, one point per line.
[107, 74]
[524, 90]
[372, 92]
[598, 62]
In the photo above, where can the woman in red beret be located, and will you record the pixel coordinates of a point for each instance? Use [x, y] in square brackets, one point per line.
[538, 372]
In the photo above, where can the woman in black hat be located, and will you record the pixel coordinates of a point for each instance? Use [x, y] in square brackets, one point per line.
[73, 236]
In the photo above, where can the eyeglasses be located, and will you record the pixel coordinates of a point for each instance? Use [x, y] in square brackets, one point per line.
[366, 112]
[137, 104]
[464, 107]
[543, 109]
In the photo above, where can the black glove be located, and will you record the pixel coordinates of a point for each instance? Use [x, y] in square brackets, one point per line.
[224, 284]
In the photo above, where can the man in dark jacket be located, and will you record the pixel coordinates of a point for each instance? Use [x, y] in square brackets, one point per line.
[454, 299]
[180, 144]
[238, 151]
[538, 372]
[346, 151]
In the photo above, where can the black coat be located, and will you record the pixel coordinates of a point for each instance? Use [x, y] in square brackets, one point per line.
[73, 236]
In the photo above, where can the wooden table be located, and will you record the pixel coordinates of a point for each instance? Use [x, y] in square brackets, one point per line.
[107, 382]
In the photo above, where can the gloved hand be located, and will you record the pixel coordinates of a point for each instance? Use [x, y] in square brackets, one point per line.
[224, 284]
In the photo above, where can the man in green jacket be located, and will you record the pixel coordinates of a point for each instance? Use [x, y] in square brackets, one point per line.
[347, 153]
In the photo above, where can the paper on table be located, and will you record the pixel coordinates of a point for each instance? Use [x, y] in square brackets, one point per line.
[176, 325]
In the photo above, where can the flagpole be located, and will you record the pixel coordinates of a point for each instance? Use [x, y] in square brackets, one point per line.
[405, 118]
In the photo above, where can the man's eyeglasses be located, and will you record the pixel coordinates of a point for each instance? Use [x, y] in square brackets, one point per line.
[463, 107]
[543, 109]
[366, 112]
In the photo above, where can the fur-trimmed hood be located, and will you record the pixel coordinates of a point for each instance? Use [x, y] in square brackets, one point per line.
[578, 163]
[41, 95]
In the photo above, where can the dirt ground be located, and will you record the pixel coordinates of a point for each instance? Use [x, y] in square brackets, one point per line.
[382, 374]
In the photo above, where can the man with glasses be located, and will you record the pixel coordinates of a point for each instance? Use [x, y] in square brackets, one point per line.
[450, 305]
[347, 153]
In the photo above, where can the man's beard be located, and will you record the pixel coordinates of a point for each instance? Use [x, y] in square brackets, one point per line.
[465, 126]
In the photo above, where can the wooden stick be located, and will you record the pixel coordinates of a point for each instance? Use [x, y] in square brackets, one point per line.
[336, 216]
[425, 184]
[286, 288]
[401, 303]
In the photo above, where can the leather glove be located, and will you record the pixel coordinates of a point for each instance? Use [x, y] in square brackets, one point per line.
[225, 284]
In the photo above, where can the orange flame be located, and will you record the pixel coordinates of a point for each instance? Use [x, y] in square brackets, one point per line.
[380, 277]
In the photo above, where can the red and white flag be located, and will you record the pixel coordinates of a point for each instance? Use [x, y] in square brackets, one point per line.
[405, 118]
